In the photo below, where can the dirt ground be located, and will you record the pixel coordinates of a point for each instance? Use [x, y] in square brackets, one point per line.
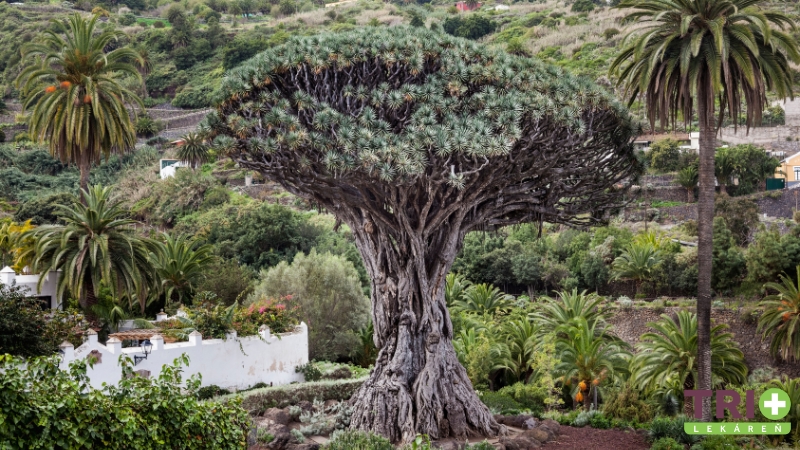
[587, 438]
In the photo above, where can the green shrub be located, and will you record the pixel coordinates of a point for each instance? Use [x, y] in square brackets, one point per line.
[259, 400]
[585, 417]
[583, 6]
[43, 210]
[357, 440]
[500, 403]
[530, 396]
[600, 421]
[716, 443]
[139, 413]
[664, 427]
[474, 26]
[666, 444]
[127, 19]
[158, 24]
[626, 405]
[206, 392]
[310, 371]
[21, 325]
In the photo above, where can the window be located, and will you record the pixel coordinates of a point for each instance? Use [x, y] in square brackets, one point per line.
[796, 173]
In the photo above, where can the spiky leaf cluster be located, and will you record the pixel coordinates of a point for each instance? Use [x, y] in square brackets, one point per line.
[326, 114]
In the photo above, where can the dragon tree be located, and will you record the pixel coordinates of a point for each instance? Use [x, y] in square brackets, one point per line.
[413, 139]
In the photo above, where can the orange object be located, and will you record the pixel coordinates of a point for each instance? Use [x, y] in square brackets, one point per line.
[579, 397]
[66, 85]
[786, 316]
[50, 89]
[596, 381]
[87, 98]
[582, 385]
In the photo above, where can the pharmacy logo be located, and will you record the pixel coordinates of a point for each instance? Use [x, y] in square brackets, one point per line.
[774, 404]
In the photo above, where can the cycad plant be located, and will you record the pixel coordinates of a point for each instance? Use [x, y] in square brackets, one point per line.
[558, 313]
[667, 356]
[455, 286]
[72, 92]
[483, 299]
[518, 343]
[781, 318]
[179, 264]
[689, 56]
[96, 244]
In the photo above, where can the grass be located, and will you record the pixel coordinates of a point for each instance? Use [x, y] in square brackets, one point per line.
[665, 204]
[151, 20]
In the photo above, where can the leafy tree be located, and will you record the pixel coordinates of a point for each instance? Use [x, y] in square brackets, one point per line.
[740, 214]
[180, 263]
[475, 26]
[750, 164]
[583, 6]
[665, 155]
[636, 263]
[96, 244]
[668, 355]
[22, 325]
[695, 55]
[779, 321]
[331, 302]
[240, 50]
[771, 254]
[227, 280]
[729, 263]
[194, 149]
[77, 102]
[687, 179]
[411, 158]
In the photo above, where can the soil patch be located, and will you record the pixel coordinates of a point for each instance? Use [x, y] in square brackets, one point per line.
[587, 438]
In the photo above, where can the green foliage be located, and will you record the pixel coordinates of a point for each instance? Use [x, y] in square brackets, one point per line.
[22, 325]
[259, 400]
[474, 26]
[740, 214]
[227, 280]
[749, 163]
[139, 413]
[499, 403]
[716, 442]
[791, 387]
[667, 443]
[781, 316]
[310, 371]
[667, 356]
[43, 210]
[583, 6]
[327, 290]
[665, 155]
[638, 263]
[625, 404]
[671, 428]
[728, 264]
[180, 263]
[357, 440]
[482, 299]
[211, 391]
[771, 254]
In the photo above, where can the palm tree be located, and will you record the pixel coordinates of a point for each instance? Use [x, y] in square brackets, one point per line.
[483, 299]
[693, 54]
[194, 149]
[724, 168]
[96, 244]
[588, 360]
[559, 313]
[687, 178]
[455, 287]
[637, 263]
[516, 349]
[667, 356]
[781, 318]
[179, 264]
[72, 91]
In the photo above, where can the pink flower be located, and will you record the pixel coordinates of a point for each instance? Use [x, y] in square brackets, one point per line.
[280, 306]
[289, 297]
[261, 310]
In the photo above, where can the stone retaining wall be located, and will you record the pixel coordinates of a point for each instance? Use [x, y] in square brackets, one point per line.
[630, 325]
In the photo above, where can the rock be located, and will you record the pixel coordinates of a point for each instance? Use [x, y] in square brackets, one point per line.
[554, 426]
[276, 415]
[305, 405]
[541, 434]
[519, 442]
[330, 403]
[305, 446]
[523, 421]
[282, 438]
[448, 444]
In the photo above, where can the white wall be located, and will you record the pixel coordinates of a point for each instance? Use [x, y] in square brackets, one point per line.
[30, 282]
[220, 362]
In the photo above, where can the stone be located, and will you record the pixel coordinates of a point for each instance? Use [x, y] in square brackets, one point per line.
[522, 421]
[551, 424]
[519, 442]
[541, 434]
[448, 444]
[330, 403]
[277, 415]
[282, 437]
[305, 405]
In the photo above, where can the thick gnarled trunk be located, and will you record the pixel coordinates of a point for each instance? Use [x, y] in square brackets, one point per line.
[418, 385]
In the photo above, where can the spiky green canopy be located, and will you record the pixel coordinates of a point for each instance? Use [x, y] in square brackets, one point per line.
[349, 119]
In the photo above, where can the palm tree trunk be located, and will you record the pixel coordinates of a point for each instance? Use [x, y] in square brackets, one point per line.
[705, 217]
[689, 196]
[84, 166]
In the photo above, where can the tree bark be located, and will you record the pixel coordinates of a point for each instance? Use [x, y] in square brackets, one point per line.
[689, 196]
[705, 218]
[84, 166]
[418, 385]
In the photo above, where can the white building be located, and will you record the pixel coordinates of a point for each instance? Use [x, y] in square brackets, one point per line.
[232, 363]
[169, 166]
[47, 295]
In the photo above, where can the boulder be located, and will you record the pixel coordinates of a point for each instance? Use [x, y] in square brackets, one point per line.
[522, 421]
[540, 434]
[276, 416]
[282, 439]
[552, 425]
[519, 442]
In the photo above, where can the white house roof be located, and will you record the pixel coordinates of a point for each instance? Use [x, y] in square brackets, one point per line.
[789, 158]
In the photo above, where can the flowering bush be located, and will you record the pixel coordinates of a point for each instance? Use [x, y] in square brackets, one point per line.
[269, 312]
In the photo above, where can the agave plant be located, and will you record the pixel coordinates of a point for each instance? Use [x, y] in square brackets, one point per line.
[781, 318]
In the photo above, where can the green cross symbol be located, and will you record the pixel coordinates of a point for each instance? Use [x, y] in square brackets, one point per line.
[774, 404]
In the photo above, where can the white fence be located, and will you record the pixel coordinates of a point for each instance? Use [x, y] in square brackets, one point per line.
[232, 363]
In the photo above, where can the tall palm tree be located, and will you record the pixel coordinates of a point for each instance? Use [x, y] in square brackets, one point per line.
[692, 55]
[667, 355]
[179, 264]
[781, 318]
[97, 243]
[637, 262]
[194, 149]
[71, 89]
[687, 178]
